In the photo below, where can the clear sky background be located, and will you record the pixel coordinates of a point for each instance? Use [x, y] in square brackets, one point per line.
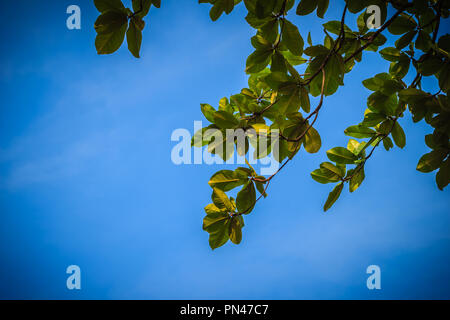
[86, 176]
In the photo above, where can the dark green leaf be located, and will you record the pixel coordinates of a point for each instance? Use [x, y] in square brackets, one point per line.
[312, 141]
[402, 24]
[217, 225]
[359, 131]
[431, 161]
[226, 180]
[398, 135]
[258, 60]
[292, 38]
[405, 40]
[236, 225]
[208, 111]
[225, 120]
[107, 43]
[246, 198]
[141, 7]
[221, 200]
[357, 178]
[104, 5]
[306, 7]
[134, 38]
[443, 175]
[333, 196]
[341, 155]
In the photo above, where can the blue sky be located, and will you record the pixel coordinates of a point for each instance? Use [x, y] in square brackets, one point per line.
[86, 176]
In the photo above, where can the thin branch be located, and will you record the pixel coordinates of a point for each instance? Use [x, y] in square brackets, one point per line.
[315, 113]
[375, 35]
[332, 51]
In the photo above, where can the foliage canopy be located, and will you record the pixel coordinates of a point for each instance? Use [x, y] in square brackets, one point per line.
[278, 96]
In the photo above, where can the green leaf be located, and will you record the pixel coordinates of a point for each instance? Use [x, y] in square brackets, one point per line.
[381, 103]
[390, 54]
[423, 41]
[260, 188]
[306, 7]
[359, 131]
[386, 127]
[236, 225]
[107, 43]
[264, 8]
[339, 171]
[221, 200]
[412, 95]
[402, 24]
[443, 175]
[293, 59]
[278, 63]
[398, 135]
[357, 178]
[246, 198]
[258, 60]
[226, 180]
[217, 225]
[333, 196]
[312, 141]
[219, 7]
[110, 21]
[323, 175]
[444, 77]
[225, 120]
[341, 155]
[156, 3]
[213, 209]
[208, 111]
[141, 7]
[335, 27]
[430, 66]
[134, 38]
[289, 103]
[355, 147]
[372, 119]
[309, 39]
[292, 38]
[304, 99]
[400, 68]
[444, 42]
[355, 6]
[322, 8]
[104, 5]
[405, 40]
[431, 161]
[387, 143]
[269, 31]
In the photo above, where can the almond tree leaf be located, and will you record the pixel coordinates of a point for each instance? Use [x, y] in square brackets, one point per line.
[333, 196]
[110, 42]
[357, 179]
[341, 155]
[292, 38]
[246, 198]
[431, 161]
[134, 38]
[312, 141]
[104, 5]
[398, 135]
